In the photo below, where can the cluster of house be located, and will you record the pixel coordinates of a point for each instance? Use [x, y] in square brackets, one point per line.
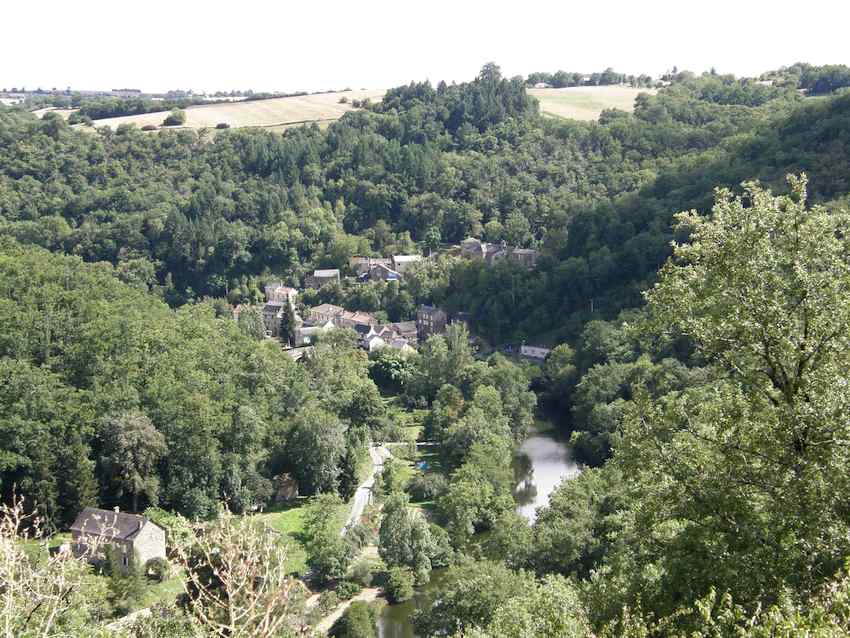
[372, 334]
[366, 269]
[473, 248]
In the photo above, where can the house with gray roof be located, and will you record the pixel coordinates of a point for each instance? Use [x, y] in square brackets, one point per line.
[321, 277]
[129, 533]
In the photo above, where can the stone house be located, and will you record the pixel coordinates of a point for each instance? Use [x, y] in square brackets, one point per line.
[473, 248]
[325, 313]
[355, 319]
[405, 330]
[525, 256]
[321, 277]
[129, 533]
[430, 321]
[277, 292]
[382, 272]
[402, 262]
[363, 265]
[534, 352]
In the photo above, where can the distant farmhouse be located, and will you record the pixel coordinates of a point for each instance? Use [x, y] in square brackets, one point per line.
[534, 352]
[473, 248]
[278, 296]
[321, 277]
[131, 534]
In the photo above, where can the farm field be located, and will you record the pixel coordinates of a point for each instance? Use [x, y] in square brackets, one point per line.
[64, 113]
[274, 112]
[586, 102]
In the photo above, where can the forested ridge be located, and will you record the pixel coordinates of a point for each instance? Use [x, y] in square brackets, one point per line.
[699, 359]
[202, 217]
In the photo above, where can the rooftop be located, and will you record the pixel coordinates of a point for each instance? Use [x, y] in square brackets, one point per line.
[108, 524]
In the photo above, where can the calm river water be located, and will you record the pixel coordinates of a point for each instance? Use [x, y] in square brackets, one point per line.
[543, 461]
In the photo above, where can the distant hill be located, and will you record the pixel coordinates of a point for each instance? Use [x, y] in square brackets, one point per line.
[586, 102]
[270, 113]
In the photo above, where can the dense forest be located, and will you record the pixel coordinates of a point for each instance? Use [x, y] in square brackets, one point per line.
[692, 281]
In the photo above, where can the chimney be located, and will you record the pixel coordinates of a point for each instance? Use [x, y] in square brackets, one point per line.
[116, 509]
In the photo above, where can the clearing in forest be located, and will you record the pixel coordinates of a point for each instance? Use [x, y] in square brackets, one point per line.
[586, 102]
[280, 111]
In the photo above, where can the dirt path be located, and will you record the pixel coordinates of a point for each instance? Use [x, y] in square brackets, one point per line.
[363, 495]
[367, 595]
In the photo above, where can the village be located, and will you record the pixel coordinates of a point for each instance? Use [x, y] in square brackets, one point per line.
[298, 327]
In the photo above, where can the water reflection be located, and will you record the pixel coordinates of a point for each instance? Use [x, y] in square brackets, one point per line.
[543, 461]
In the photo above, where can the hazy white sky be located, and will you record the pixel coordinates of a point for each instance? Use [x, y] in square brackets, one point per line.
[276, 45]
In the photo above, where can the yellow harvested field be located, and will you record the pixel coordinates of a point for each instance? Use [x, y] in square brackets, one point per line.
[64, 113]
[586, 102]
[274, 112]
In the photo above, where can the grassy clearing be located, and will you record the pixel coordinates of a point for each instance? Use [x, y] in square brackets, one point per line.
[275, 113]
[163, 592]
[586, 102]
[289, 522]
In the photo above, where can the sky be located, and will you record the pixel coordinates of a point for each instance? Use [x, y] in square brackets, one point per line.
[321, 45]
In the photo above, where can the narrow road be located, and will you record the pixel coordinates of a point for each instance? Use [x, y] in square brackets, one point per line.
[367, 596]
[378, 453]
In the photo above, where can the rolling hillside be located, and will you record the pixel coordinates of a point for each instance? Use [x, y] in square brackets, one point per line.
[586, 102]
[265, 113]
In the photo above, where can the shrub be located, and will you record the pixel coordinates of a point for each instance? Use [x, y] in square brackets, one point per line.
[328, 601]
[177, 117]
[343, 100]
[359, 535]
[362, 573]
[158, 568]
[150, 127]
[347, 589]
[221, 125]
[427, 487]
[359, 621]
[399, 584]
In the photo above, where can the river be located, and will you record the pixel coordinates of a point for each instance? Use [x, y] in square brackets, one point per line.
[542, 462]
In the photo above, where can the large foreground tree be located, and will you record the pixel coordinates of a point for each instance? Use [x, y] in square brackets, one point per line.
[743, 483]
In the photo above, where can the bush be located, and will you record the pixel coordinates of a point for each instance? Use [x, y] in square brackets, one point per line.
[159, 569]
[221, 125]
[362, 573]
[359, 536]
[343, 100]
[177, 117]
[399, 585]
[150, 127]
[347, 589]
[328, 601]
[359, 621]
[427, 487]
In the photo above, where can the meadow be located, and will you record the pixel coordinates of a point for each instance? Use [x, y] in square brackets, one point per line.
[274, 112]
[586, 102]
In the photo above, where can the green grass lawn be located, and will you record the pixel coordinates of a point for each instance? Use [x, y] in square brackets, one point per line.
[289, 521]
[163, 592]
